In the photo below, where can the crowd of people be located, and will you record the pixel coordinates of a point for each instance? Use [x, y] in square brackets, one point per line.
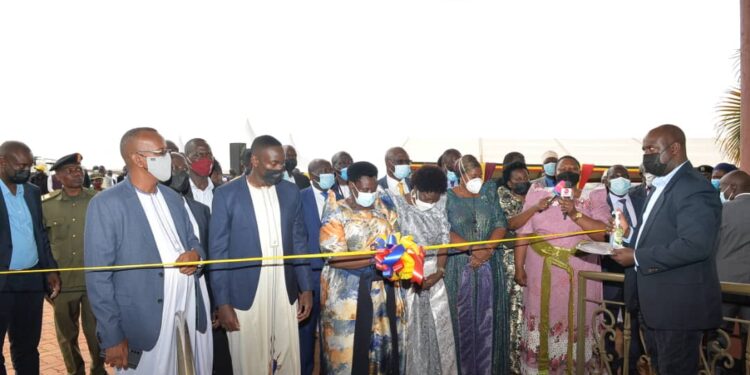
[488, 308]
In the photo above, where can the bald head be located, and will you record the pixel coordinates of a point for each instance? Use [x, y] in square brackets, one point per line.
[617, 171]
[341, 159]
[734, 183]
[318, 166]
[289, 149]
[140, 141]
[11, 147]
[132, 140]
[395, 154]
[172, 146]
[15, 162]
[670, 135]
[664, 148]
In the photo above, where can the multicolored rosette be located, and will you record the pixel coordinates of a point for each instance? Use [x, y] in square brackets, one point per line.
[399, 258]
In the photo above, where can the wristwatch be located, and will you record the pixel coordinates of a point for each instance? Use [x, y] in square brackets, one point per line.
[577, 216]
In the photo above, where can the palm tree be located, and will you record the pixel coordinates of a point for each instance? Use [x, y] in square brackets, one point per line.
[728, 125]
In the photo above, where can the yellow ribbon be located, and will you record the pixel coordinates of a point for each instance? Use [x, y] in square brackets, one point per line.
[288, 257]
[553, 256]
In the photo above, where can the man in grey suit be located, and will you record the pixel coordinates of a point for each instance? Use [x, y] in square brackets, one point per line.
[676, 280]
[147, 318]
[733, 249]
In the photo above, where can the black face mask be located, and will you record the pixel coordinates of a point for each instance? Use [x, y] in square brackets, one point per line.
[179, 182]
[571, 177]
[273, 176]
[522, 188]
[20, 177]
[290, 164]
[653, 165]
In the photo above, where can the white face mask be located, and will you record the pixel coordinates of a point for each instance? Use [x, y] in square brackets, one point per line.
[160, 166]
[422, 205]
[475, 184]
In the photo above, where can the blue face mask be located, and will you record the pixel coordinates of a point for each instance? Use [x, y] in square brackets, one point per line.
[401, 171]
[715, 182]
[619, 186]
[550, 169]
[326, 180]
[365, 199]
[452, 177]
[343, 174]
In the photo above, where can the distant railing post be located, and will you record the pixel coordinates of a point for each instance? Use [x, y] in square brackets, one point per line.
[626, 337]
[581, 326]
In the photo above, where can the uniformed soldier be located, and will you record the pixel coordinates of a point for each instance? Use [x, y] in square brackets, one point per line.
[65, 218]
[97, 181]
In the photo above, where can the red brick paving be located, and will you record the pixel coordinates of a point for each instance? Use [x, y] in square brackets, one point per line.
[50, 359]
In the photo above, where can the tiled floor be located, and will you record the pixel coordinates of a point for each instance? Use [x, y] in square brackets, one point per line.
[50, 359]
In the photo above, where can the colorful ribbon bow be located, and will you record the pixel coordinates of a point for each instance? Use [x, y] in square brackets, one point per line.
[399, 258]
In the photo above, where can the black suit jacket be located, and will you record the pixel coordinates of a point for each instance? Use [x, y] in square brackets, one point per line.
[637, 200]
[677, 283]
[33, 200]
[202, 215]
[300, 180]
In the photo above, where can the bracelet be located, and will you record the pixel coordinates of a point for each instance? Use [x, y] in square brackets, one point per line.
[441, 269]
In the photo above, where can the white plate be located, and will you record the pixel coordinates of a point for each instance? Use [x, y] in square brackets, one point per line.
[591, 247]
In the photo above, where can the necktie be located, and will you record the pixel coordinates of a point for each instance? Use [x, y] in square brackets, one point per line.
[625, 211]
[401, 187]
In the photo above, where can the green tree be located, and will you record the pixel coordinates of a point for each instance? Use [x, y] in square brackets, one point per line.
[728, 125]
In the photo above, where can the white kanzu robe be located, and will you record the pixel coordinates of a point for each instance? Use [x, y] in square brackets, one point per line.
[269, 328]
[179, 303]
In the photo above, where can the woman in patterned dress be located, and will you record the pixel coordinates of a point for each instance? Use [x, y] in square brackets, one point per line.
[512, 197]
[361, 314]
[429, 334]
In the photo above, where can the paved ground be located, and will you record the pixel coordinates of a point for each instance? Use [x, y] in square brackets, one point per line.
[50, 359]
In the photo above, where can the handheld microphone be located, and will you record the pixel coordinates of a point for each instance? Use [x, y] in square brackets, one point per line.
[566, 193]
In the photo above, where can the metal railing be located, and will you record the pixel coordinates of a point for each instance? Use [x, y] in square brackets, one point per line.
[715, 350]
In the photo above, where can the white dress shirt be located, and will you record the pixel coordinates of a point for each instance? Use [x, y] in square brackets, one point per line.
[625, 208]
[203, 196]
[658, 185]
[320, 199]
[393, 185]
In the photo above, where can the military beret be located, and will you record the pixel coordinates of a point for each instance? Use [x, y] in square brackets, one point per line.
[726, 167]
[705, 168]
[74, 158]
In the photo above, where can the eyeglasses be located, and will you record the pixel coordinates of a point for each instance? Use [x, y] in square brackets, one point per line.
[159, 152]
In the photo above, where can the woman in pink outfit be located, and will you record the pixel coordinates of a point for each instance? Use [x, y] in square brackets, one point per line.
[549, 271]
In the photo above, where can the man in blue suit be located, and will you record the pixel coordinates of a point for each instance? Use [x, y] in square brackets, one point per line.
[398, 170]
[314, 199]
[23, 245]
[260, 215]
[674, 255]
[145, 315]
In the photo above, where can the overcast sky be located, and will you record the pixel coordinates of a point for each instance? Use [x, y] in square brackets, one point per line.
[358, 75]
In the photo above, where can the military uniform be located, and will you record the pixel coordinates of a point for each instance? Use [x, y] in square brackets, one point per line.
[64, 219]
